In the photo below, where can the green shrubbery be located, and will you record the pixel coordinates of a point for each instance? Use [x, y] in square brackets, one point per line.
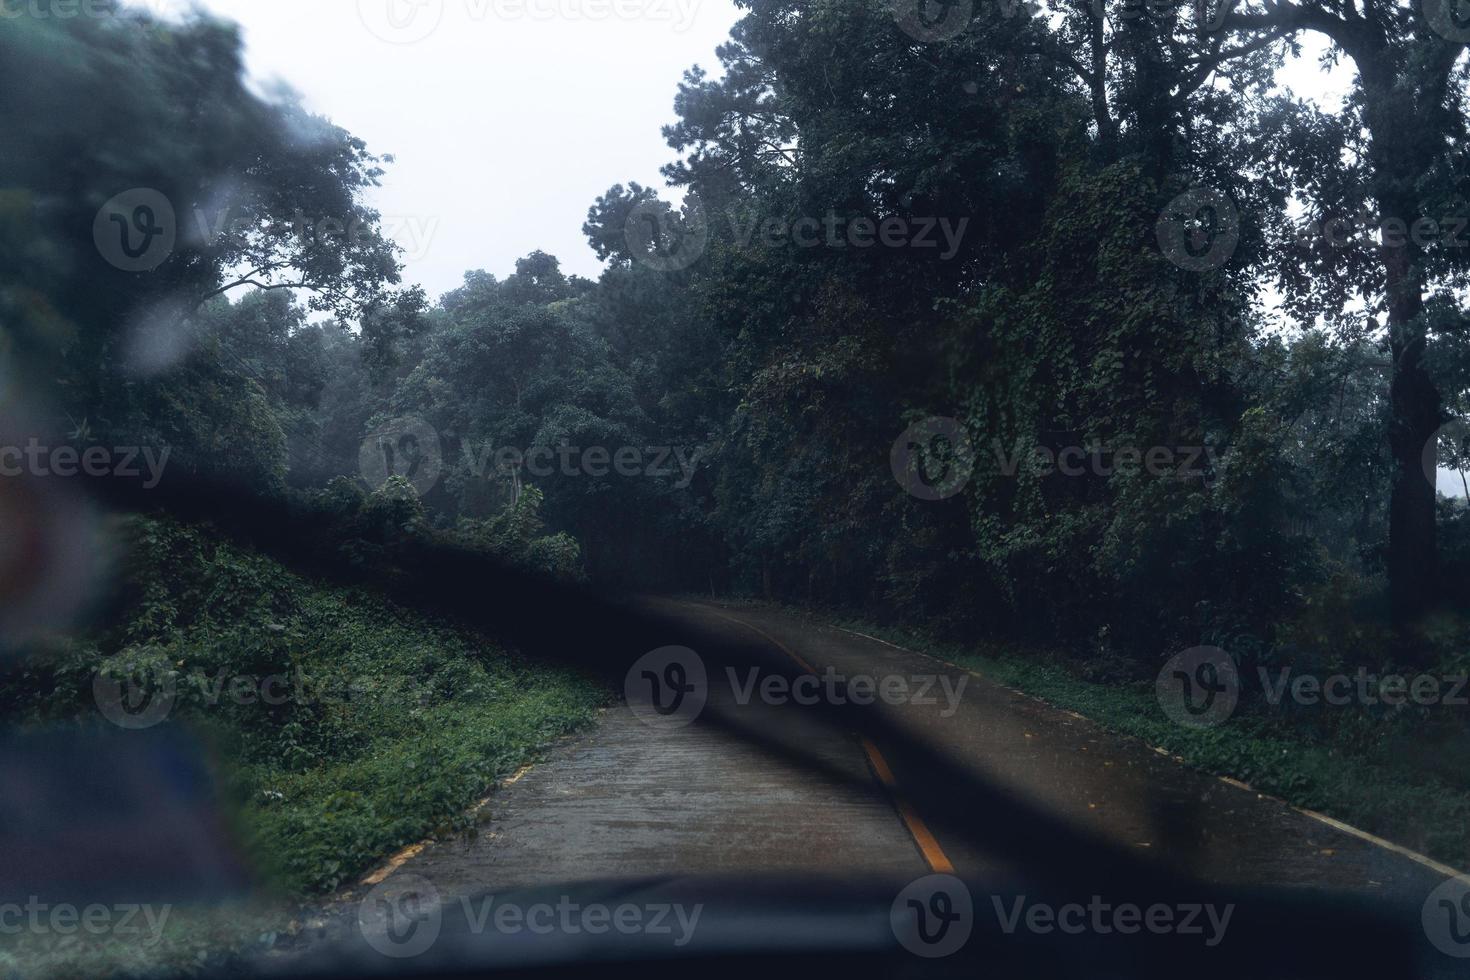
[367, 522]
[389, 725]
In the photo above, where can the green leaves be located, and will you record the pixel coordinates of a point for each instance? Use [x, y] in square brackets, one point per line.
[347, 727]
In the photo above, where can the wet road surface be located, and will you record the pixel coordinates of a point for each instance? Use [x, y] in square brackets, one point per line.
[632, 799]
[629, 798]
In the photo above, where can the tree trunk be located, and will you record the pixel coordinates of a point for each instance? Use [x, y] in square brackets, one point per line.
[1413, 555]
[1399, 160]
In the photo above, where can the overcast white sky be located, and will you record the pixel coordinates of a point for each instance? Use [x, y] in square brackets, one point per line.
[507, 117]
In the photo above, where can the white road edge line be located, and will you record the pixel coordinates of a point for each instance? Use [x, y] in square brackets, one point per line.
[1321, 818]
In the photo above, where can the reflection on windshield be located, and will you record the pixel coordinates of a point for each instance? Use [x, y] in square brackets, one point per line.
[979, 489]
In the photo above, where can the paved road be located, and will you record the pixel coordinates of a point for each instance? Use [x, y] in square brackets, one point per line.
[1116, 786]
[630, 799]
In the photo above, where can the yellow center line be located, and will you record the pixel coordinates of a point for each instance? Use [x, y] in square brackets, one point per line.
[1436, 866]
[928, 844]
[934, 855]
[880, 764]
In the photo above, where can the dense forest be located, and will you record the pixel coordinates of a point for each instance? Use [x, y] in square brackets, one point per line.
[1064, 330]
[1080, 248]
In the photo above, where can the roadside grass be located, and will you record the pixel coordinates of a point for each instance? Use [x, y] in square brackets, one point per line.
[345, 727]
[1374, 789]
[342, 817]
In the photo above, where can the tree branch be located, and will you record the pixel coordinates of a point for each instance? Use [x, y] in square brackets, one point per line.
[1284, 18]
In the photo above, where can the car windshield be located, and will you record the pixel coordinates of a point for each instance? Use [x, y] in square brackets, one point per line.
[888, 487]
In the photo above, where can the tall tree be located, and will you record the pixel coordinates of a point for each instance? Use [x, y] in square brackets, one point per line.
[144, 177]
[1410, 101]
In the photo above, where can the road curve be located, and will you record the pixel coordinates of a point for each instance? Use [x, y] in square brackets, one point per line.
[631, 800]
